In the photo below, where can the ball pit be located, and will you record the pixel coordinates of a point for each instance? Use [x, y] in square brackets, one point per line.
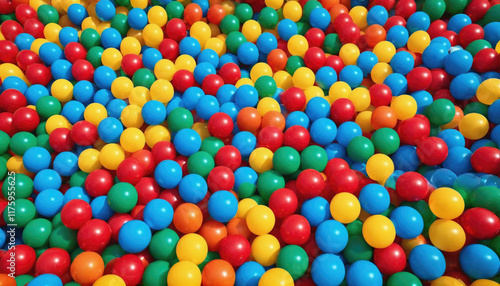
[250, 142]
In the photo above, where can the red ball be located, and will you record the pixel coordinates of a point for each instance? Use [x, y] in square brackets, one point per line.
[145, 157]
[130, 171]
[76, 213]
[480, 223]
[380, 94]
[147, 190]
[163, 150]
[283, 202]
[349, 33]
[440, 79]
[344, 180]
[169, 48]
[295, 229]
[469, 34]
[432, 151]
[220, 125]
[477, 9]
[315, 37]
[437, 28]
[172, 196]
[230, 73]
[25, 258]
[116, 222]
[340, 20]
[25, 12]
[130, 268]
[220, 178]
[38, 73]
[182, 80]
[25, 58]
[486, 60]
[54, 261]
[390, 260]
[342, 110]
[176, 29]
[8, 52]
[74, 51]
[131, 63]
[419, 78]
[486, 160]
[270, 137]
[387, 4]
[98, 183]
[235, 249]
[7, 123]
[228, 156]
[334, 165]
[412, 187]
[211, 84]
[314, 58]
[405, 8]
[335, 62]
[60, 140]
[34, 27]
[84, 133]
[82, 70]
[394, 21]
[10, 29]
[12, 99]
[413, 130]
[7, 7]
[94, 235]
[297, 137]
[294, 99]
[26, 119]
[451, 36]
[310, 183]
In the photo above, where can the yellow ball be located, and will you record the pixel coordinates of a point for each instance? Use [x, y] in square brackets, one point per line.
[275, 4]
[292, 10]
[380, 71]
[51, 32]
[345, 207]
[312, 92]
[447, 281]
[111, 156]
[251, 29]
[260, 220]
[121, 87]
[276, 277]
[349, 54]
[56, 121]
[192, 247]
[139, 95]
[379, 167]
[338, 90]
[298, 45]
[244, 206]
[137, 35]
[201, 31]
[95, 113]
[130, 45]
[446, 203]
[447, 235]
[474, 126]
[103, 26]
[360, 97]
[216, 44]
[112, 58]
[153, 35]
[184, 273]
[202, 129]
[214, 29]
[268, 104]
[265, 249]
[484, 282]
[243, 81]
[185, 62]
[143, 4]
[162, 91]
[88, 160]
[363, 119]
[164, 69]
[283, 80]
[261, 160]
[132, 139]
[260, 69]
[155, 134]
[131, 116]
[158, 16]
[384, 51]
[379, 231]
[303, 78]
[418, 41]
[15, 164]
[109, 280]
[90, 23]
[405, 106]
[62, 89]
[358, 15]
[37, 43]
[488, 91]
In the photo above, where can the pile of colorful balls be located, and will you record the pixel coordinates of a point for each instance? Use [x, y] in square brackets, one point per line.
[269, 143]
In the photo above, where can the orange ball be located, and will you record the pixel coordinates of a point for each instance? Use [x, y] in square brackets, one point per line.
[188, 218]
[274, 118]
[327, 4]
[215, 14]
[384, 116]
[218, 272]
[213, 232]
[238, 226]
[277, 59]
[248, 119]
[6, 280]
[192, 13]
[86, 268]
[374, 35]
[336, 10]
[459, 114]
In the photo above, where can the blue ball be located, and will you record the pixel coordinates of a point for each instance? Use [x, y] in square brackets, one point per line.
[335, 150]
[464, 86]
[364, 273]
[111, 38]
[104, 96]
[467, 182]
[352, 75]
[319, 18]
[323, 131]
[46, 280]
[13, 82]
[434, 56]
[492, 33]
[316, 211]
[23, 41]
[246, 96]
[427, 262]
[168, 174]
[202, 70]
[494, 113]
[347, 131]
[115, 107]
[377, 15]
[325, 77]
[266, 42]
[423, 99]
[158, 214]
[407, 221]
[110, 129]
[248, 53]
[101, 208]
[226, 93]
[328, 269]
[208, 56]
[137, 18]
[230, 109]
[297, 118]
[150, 57]
[331, 236]
[191, 97]
[47, 179]
[418, 21]
[222, 206]
[61, 69]
[187, 142]
[190, 46]
[452, 138]
[134, 236]
[207, 106]
[154, 112]
[36, 159]
[68, 35]
[286, 29]
[204, 5]
[34, 92]
[49, 202]
[398, 36]
[3, 237]
[244, 175]
[481, 143]
[317, 107]
[66, 164]
[442, 177]
[76, 193]
[193, 188]
[397, 83]
[457, 22]
[249, 274]
[374, 199]
[228, 58]
[495, 134]
[50, 52]
[174, 103]
[104, 76]
[77, 13]
[84, 91]
[479, 261]
[458, 62]
[105, 10]
[402, 62]
[366, 61]
[245, 142]
[442, 41]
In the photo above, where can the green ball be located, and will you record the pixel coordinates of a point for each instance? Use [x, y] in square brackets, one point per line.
[143, 77]
[268, 18]
[4, 142]
[43, 141]
[37, 233]
[246, 190]
[360, 149]
[308, 8]
[179, 118]
[403, 279]
[3, 168]
[90, 38]
[385, 140]
[56, 221]
[313, 157]
[440, 112]
[122, 197]
[243, 12]
[286, 160]
[476, 107]
[487, 197]
[355, 228]
[76, 252]
[455, 6]
[211, 145]
[16, 187]
[434, 8]
[268, 182]
[332, 44]
[175, 10]
[11, 16]
[294, 63]
[47, 14]
[294, 260]
[477, 45]
[156, 273]
[21, 213]
[120, 23]
[163, 244]
[63, 237]
[78, 179]
[72, 283]
[24, 279]
[21, 142]
[200, 163]
[94, 56]
[211, 255]
[357, 249]
[234, 40]
[40, 129]
[111, 252]
[266, 86]
[302, 28]
[123, 3]
[46, 106]
[494, 244]
[230, 23]
[258, 199]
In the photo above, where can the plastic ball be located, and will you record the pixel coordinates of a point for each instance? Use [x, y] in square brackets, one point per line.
[446, 203]
[345, 207]
[328, 268]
